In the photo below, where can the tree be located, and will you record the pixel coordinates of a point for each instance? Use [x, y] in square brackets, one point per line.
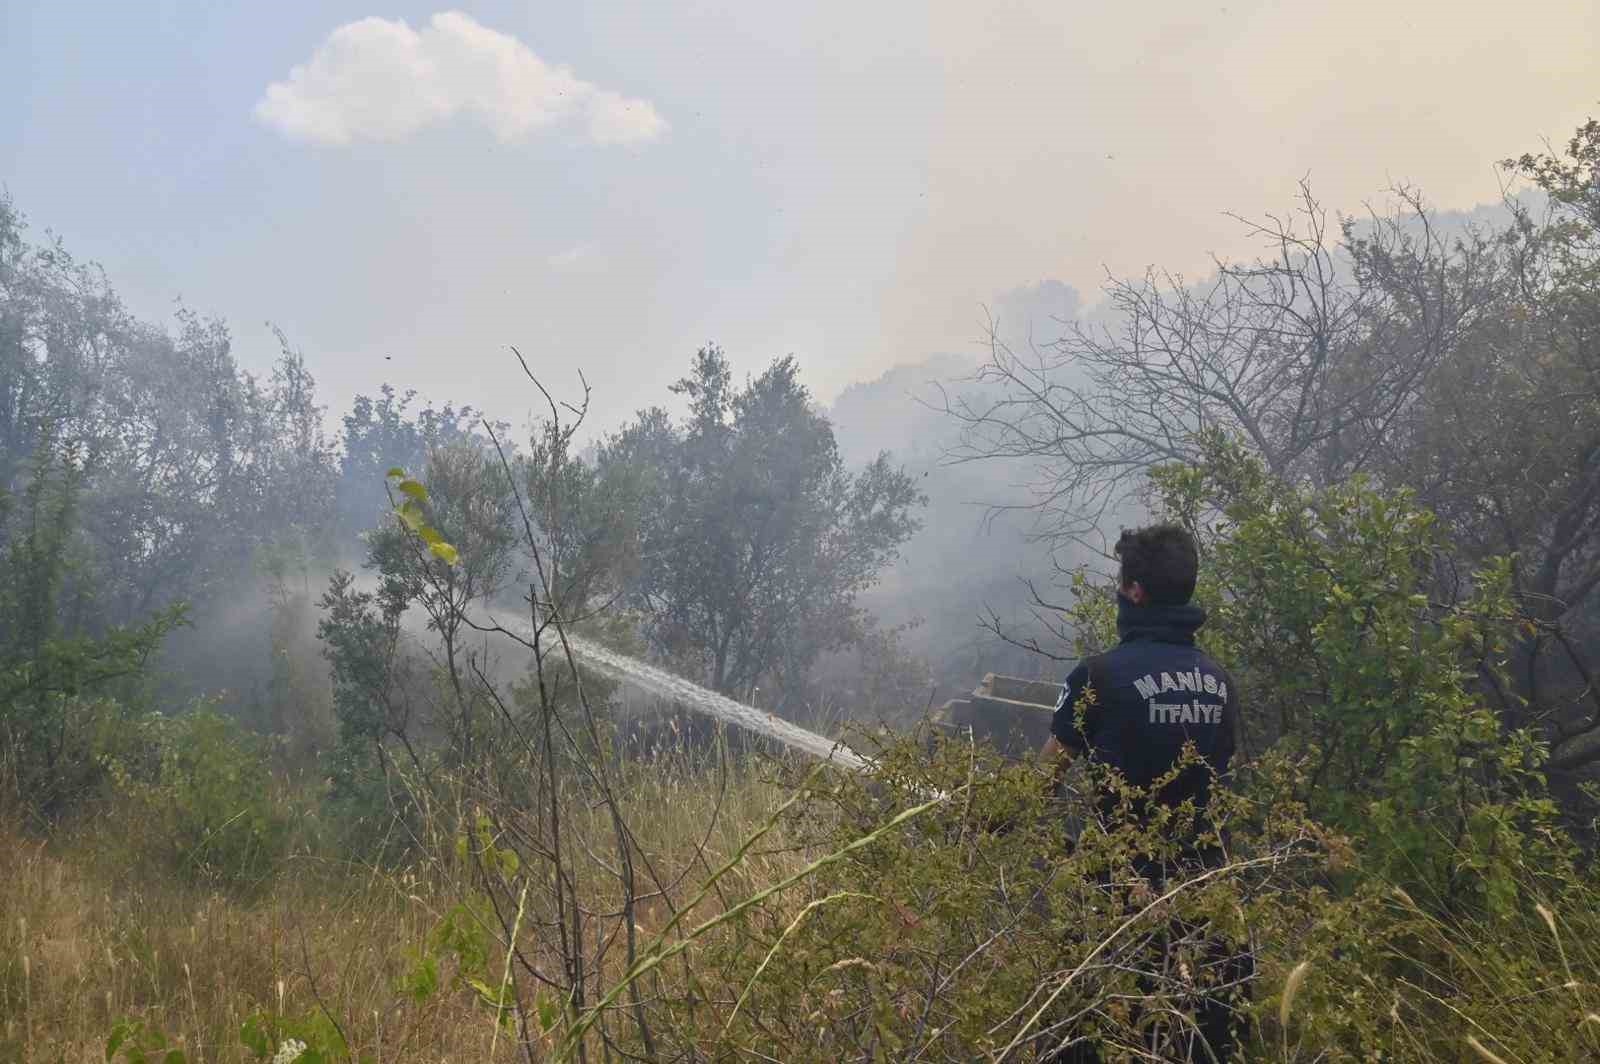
[187, 464]
[754, 540]
[1310, 353]
[382, 433]
[57, 681]
[470, 504]
[1462, 368]
[1505, 446]
[61, 327]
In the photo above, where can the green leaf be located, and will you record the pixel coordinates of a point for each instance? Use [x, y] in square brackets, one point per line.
[424, 979]
[445, 552]
[119, 1034]
[546, 1004]
[491, 997]
[174, 1056]
[253, 1038]
[414, 489]
[396, 471]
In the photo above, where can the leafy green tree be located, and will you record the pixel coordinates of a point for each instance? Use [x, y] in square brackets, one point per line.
[468, 502]
[451, 553]
[56, 677]
[754, 540]
[209, 464]
[1505, 446]
[382, 433]
[186, 463]
[61, 328]
[379, 688]
[1350, 669]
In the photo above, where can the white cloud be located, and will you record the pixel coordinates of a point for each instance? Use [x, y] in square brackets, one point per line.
[378, 79]
[617, 119]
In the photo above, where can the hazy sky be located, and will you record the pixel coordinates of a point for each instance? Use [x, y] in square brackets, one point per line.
[407, 189]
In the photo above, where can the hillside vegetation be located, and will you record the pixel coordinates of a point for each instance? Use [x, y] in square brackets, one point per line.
[425, 831]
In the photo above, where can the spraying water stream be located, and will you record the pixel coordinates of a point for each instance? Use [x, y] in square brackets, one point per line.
[703, 700]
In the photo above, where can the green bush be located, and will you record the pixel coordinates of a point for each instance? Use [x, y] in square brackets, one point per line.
[980, 925]
[985, 923]
[198, 799]
[1355, 662]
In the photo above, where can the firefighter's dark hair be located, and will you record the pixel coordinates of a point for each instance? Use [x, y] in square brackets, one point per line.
[1163, 559]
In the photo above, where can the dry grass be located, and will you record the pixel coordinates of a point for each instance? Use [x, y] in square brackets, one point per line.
[82, 946]
[81, 954]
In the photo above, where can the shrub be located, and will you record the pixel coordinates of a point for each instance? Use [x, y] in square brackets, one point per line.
[979, 925]
[198, 800]
[1355, 664]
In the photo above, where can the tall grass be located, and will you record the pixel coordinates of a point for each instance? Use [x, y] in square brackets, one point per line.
[90, 937]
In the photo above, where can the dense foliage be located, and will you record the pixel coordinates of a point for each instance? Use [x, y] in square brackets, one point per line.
[1453, 361]
[1401, 593]
[1383, 830]
[754, 539]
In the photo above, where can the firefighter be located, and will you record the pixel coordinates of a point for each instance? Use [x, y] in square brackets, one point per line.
[1152, 694]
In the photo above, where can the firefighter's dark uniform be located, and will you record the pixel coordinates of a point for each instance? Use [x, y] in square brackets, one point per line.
[1153, 692]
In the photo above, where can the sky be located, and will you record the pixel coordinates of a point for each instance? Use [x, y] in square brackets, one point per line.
[407, 190]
